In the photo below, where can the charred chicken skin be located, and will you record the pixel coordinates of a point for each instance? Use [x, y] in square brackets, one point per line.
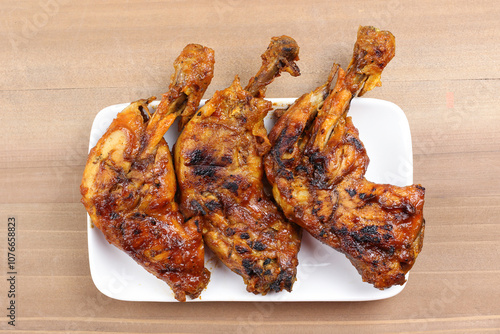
[218, 160]
[317, 165]
[129, 183]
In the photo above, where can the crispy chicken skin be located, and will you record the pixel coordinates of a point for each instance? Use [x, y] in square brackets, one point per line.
[218, 160]
[317, 165]
[129, 183]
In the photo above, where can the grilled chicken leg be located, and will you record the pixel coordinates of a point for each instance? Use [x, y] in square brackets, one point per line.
[129, 183]
[317, 165]
[218, 160]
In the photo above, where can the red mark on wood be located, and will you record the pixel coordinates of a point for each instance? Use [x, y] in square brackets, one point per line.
[450, 100]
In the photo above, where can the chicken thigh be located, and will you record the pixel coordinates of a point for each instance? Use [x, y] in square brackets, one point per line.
[129, 183]
[218, 160]
[317, 165]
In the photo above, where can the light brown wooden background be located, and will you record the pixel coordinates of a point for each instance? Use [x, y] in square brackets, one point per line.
[63, 61]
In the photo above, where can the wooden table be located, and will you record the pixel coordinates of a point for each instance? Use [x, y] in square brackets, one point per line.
[63, 61]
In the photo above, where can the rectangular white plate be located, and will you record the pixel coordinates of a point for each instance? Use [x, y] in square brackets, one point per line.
[323, 273]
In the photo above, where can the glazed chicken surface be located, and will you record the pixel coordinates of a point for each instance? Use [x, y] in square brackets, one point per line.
[129, 182]
[317, 165]
[218, 160]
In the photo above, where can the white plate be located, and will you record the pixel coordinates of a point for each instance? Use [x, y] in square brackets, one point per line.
[323, 273]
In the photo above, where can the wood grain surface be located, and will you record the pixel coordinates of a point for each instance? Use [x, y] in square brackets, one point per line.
[63, 61]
